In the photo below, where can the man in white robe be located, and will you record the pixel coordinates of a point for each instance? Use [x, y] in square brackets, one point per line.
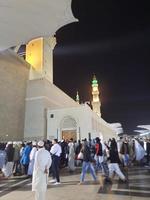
[42, 164]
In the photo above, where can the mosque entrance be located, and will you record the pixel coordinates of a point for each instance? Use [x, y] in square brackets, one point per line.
[68, 128]
[68, 134]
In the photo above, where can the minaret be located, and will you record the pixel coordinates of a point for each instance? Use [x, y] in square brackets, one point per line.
[96, 101]
[77, 98]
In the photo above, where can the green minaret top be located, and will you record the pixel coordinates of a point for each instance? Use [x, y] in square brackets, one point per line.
[94, 82]
[77, 98]
[95, 93]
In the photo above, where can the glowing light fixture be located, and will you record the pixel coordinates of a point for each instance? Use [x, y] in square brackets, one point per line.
[34, 54]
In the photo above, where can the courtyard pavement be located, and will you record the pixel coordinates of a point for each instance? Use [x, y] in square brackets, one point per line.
[138, 188]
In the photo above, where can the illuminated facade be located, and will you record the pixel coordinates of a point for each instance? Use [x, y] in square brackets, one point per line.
[96, 101]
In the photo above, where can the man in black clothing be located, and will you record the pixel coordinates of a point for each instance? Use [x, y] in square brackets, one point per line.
[148, 150]
[8, 168]
[87, 162]
[114, 161]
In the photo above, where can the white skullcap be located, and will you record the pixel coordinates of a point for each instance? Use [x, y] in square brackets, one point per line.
[40, 143]
[33, 143]
[14, 142]
[19, 142]
[10, 142]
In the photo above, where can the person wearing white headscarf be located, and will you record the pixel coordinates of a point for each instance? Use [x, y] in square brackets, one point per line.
[42, 164]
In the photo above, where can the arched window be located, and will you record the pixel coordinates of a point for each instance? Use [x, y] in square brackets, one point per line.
[68, 123]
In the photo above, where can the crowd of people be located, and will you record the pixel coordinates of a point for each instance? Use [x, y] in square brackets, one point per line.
[94, 156]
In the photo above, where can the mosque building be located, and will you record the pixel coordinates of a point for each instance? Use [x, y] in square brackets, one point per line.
[79, 121]
[31, 106]
[47, 112]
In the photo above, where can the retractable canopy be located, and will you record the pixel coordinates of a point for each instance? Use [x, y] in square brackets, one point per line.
[23, 20]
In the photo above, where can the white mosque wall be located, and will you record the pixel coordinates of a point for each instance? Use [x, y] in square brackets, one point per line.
[14, 74]
[34, 119]
[42, 94]
[86, 122]
[27, 104]
[79, 114]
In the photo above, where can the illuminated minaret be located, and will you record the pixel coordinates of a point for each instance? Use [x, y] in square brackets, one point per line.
[77, 98]
[96, 101]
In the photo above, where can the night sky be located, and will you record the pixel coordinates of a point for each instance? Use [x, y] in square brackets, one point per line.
[112, 41]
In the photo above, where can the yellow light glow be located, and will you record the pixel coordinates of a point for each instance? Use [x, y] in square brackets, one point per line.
[34, 54]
